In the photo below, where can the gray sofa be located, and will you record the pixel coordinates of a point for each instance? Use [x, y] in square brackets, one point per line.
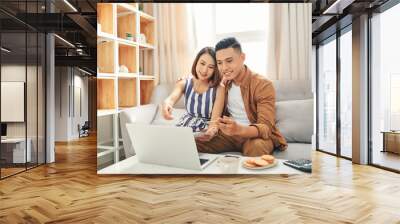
[294, 116]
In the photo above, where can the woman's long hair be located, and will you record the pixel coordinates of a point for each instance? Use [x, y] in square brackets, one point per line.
[215, 78]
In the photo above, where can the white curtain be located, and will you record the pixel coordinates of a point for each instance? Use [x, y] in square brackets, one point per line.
[289, 41]
[175, 41]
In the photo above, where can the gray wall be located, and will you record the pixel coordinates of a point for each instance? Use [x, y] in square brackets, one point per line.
[71, 102]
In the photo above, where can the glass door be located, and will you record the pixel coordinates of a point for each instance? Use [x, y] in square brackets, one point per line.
[327, 96]
[346, 93]
[385, 89]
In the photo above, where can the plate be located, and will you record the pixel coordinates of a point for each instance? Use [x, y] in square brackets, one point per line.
[260, 167]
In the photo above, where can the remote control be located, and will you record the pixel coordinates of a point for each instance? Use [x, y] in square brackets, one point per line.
[304, 165]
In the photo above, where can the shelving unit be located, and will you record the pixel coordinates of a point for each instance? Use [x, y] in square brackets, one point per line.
[126, 41]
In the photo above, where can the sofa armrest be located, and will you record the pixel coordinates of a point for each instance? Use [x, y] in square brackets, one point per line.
[141, 114]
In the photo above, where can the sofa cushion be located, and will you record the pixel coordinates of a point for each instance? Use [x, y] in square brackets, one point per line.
[294, 118]
[159, 119]
[143, 115]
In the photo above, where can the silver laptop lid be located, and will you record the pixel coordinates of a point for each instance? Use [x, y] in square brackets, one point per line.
[165, 145]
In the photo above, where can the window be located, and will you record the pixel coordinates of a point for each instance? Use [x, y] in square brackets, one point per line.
[385, 84]
[327, 97]
[247, 22]
[346, 94]
[394, 101]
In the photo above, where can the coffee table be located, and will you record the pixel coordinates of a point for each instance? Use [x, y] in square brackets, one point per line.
[131, 165]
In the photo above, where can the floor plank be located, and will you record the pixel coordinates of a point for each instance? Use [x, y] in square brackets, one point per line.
[70, 191]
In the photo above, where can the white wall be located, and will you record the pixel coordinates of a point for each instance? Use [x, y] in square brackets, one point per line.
[33, 127]
[69, 81]
[16, 73]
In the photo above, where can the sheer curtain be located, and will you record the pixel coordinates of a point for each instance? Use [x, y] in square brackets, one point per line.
[289, 41]
[175, 41]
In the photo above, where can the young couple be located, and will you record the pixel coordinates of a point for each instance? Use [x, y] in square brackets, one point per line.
[233, 106]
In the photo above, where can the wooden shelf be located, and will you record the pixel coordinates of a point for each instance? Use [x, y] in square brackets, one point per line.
[127, 92]
[105, 94]
[146, 62]
[146, 90]
[127, 75]
[104, 37]
[127, 42]
[118, 91]
[147, 77]
[147, 28]
[144, 46]
[126, 8]
[126, 24]
[127, 57]
[105, 56]
[146, 18]
[105, 17]
[147, 9]
[106, 76]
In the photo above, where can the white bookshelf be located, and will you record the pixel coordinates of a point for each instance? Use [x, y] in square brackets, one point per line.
[119, 44]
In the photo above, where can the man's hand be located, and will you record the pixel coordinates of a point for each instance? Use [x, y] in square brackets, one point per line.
[208, 135]
[224, 82]
[167, 111]
[229, 126]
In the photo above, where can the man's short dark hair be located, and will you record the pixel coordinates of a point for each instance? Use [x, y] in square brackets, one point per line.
[227, 43]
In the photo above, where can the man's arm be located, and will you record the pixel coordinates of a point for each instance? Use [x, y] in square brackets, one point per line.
[265, 99]
[231, 127]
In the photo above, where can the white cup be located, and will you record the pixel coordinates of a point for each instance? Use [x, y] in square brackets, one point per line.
[228, 165]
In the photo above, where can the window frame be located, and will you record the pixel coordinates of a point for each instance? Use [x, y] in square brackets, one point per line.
[334, 37]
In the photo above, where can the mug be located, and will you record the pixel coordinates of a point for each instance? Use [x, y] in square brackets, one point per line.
[228, 164]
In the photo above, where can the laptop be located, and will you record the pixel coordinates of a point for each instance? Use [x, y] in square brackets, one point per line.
[168, 146]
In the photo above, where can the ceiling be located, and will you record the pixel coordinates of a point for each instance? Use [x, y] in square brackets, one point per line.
[32, 16]
[79, 27]
[330, 15]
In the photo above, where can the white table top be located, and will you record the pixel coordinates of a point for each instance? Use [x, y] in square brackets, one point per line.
[131, 165]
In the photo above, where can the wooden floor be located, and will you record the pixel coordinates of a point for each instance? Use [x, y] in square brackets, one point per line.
[70, 191]
[387, 159]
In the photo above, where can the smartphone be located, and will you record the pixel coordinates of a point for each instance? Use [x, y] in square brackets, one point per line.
[198, 134]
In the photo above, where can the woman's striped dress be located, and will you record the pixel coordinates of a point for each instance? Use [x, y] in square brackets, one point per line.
[198, 107]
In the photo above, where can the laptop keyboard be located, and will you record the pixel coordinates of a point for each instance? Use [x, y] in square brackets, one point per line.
[202, 161]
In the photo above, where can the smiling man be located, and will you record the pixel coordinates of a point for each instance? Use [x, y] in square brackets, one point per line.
[248, 124]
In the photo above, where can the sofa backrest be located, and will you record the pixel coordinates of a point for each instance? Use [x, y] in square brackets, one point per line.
[143, 115]
[292, 90]
[294, 107]
[285, 90]
[161, 92]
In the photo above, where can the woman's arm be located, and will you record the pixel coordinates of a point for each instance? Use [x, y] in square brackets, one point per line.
[218, 106]
[215, 115]
[170, 101]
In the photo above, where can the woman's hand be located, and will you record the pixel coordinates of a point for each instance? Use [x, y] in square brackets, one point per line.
[208, 135]
[167, 111]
